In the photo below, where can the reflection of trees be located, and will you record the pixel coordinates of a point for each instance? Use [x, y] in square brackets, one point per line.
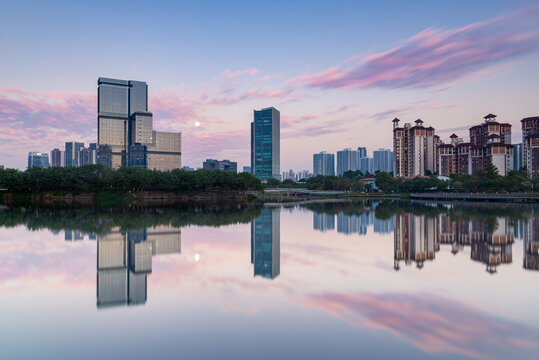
[485, 213]
[100, 221]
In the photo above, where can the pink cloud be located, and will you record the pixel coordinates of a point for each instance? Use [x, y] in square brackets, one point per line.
[433, 324]
[434, 57]
[228, 74]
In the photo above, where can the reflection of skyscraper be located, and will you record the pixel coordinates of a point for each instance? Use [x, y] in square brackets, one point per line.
[124, 260]
[323, 222]
[266, 243]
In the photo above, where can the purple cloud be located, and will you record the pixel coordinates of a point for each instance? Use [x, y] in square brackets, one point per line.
[433, 56]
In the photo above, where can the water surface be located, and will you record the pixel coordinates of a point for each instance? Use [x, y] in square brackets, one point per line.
[312, 281]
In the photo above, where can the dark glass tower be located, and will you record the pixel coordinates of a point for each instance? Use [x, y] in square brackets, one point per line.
[72, 153]
[265, 144]
[266, 243]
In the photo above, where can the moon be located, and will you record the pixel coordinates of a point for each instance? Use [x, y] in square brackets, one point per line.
[197, 124]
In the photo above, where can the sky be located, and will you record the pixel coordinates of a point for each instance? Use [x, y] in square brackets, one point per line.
[338, 71]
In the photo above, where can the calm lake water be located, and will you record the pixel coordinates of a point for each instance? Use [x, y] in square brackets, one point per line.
[316, 281]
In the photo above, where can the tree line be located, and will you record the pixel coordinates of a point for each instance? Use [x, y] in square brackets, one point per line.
[96, 178]
[488, 180]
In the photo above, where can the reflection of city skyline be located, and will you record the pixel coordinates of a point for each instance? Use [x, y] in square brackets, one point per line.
[352, 223]
[266, 243]
[124, 260]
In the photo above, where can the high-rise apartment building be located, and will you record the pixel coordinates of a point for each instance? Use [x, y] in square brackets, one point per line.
[323, 164]
[490, 143]
[382, 160]
[415, 149]
[225, 165]
[57, 157]
[266, 144]
[530, 144]
[38, 159]
[366, 165]
[362, 152]
[125, 135]
[347, 160]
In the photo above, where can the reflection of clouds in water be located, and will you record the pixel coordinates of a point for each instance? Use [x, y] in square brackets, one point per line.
[431, 323]
[31, 258]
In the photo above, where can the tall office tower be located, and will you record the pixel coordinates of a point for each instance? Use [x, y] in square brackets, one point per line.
[37, 159]
[323, 164]
[266, 243]
[530, 144]
[57, 157]
[72, 153]
[266, 144]
[225, 165]
[382, 160]
[116, 101]
[125, 136]
[517, 157]
[347, 160]
[362, 152]
[491, 144]
[415, 149]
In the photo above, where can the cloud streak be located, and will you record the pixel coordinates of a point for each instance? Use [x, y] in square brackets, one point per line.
[433, 324]
[434, 56]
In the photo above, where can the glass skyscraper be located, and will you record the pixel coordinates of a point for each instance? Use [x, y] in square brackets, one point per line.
[37, 159]
[265, 144]
[124, 124]
[72, 153]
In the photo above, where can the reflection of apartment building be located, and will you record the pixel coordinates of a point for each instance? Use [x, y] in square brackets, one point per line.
[354, 223]
[417, 238]
[266, 243]
[323, 222]
[124, 260]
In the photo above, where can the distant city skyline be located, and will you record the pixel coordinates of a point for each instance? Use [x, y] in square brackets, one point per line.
[446, 63]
